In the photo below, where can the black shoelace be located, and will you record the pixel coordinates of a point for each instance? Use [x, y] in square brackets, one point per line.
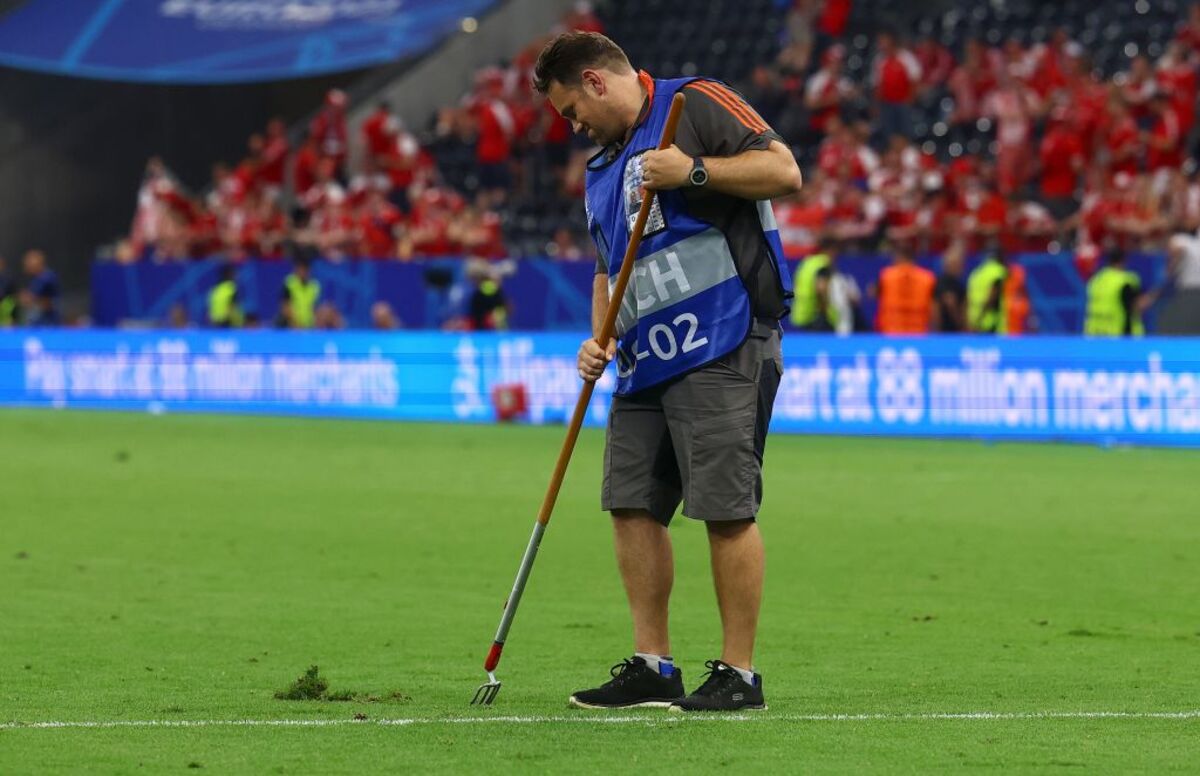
[717, 678]
[620, 672]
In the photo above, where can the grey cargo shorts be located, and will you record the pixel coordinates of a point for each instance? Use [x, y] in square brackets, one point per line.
[698, 438]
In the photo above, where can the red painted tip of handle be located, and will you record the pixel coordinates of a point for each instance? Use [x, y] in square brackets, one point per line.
[493, 658]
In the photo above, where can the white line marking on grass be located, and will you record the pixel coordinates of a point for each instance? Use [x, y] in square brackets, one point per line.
[649, 719]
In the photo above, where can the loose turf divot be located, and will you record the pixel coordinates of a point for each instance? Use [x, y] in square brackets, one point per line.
[309, 687]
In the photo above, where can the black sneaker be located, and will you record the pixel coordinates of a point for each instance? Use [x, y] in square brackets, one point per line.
[723, 690]
[633, 685]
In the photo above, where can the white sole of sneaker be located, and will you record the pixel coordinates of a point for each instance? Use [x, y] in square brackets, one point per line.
[680, 710]
[578, 704]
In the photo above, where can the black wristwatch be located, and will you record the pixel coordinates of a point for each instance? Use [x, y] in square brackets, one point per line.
[699, 175]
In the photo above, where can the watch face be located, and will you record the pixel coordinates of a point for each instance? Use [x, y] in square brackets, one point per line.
[699, 177]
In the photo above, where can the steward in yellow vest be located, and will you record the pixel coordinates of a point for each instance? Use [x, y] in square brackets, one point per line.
[8, 300]
[812, 308]
[300, 295]
[8, 310]
[1114, 301]
[223, 309]
[987, 309]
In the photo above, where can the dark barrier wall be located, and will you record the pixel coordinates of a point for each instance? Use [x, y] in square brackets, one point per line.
[1140, 391]
[73, 153]
[546, 295]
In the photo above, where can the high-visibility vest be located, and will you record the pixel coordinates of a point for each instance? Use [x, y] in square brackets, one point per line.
[1106, 315]
[8, 310]
[905, 299]
[303, 299]
[1016, 300]
[979, 287]
[223, 309]
[499, 313]
[804, 307]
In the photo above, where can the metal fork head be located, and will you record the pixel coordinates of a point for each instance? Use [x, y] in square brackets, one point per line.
[487, 691]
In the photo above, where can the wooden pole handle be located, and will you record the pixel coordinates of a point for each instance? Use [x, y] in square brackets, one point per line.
[610, 319]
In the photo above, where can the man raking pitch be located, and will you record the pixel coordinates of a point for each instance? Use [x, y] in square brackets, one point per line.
[697, 351]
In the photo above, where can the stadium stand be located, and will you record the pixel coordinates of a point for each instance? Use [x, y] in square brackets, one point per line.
[907, 130]
[1065, 128]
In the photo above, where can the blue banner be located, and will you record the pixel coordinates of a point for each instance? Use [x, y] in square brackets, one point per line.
[1082, 390]
[220, 41]
[546, 294]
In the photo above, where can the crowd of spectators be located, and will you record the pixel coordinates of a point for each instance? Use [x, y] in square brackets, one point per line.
[279, 201]
[391, 194]
[1024, 146]
[909, 142]
[1027, 147]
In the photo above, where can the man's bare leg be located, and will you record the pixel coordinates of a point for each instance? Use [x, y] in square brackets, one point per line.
[737, 562]
[647, 566]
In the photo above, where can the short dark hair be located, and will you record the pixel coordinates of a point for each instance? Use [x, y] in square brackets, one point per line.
[568, 54]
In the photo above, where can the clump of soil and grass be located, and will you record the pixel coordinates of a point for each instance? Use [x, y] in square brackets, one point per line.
[311, 686]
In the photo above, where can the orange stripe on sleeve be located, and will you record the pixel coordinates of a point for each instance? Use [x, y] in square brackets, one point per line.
[741, 104]
[735, 98]
[732, 103]
[739, 111]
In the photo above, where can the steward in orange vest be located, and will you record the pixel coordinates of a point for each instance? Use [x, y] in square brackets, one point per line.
[905, 297]
[1018, 299]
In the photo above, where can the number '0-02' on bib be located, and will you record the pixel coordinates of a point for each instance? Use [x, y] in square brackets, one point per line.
[685, 305]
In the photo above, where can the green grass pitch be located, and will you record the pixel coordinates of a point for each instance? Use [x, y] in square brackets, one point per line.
[185, 568]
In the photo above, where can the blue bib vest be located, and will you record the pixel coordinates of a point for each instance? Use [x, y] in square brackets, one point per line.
[686, 304]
